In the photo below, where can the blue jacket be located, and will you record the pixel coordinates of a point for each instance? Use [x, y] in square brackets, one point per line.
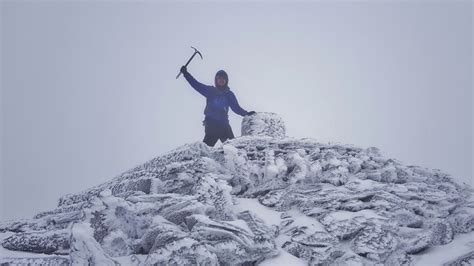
[218, 101]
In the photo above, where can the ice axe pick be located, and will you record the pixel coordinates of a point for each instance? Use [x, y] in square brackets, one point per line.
[196, 51]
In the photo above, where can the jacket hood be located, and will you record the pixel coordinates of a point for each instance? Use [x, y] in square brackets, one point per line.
[221, 73]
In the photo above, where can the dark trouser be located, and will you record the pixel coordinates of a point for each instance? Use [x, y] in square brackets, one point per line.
[216, 130]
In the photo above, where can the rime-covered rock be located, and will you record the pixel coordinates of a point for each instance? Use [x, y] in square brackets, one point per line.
[375, 242]
[46, 261]
[85, 250]
[39, 241]
[231, 243]
[343, 228]
[338, 204]
[308, 239]
[462, 219]
[264, 124]
[466, 259]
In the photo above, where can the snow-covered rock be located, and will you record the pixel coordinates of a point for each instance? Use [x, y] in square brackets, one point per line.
[263, 124]
[334, 204]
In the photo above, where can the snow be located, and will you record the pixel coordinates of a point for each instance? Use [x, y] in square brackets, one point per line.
[347, 215]
[363, 184]
[85, 249]
[268, 215]
[272, 217]
[300, 219]
[284, 258]
[439, 255]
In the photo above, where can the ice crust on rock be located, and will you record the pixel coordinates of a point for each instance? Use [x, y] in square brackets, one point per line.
[339, 204]
[263, 124]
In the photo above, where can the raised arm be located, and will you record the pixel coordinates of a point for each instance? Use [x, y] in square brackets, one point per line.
[201, 88]
[234, 105]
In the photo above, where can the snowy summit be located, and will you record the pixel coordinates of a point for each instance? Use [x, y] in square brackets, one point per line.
[260, 199]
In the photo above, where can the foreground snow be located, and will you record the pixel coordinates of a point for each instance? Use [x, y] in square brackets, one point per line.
[264, 199]
[438, 255]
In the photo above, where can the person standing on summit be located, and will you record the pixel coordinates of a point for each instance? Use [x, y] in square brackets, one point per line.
[218, 100]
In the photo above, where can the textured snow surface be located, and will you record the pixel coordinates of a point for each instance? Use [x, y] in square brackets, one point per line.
[262, 198]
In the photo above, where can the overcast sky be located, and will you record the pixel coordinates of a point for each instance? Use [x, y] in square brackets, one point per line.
[89, 89]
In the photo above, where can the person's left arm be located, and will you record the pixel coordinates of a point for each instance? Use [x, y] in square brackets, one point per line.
[234, 105]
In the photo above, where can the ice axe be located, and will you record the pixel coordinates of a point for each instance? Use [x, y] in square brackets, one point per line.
[195, 52]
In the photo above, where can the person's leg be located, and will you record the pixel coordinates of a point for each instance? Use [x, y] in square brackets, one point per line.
[227, 133]
[210, 140]
[211, 135]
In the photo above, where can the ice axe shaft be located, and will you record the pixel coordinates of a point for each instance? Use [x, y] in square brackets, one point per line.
[196, 51]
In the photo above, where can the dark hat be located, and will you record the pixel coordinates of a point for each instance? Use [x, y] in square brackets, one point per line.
[221, 73]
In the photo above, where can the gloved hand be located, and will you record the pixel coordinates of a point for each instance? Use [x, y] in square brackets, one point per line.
[183, 69]
[251, 113]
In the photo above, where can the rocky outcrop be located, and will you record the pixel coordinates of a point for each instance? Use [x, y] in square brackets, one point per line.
[339, 204]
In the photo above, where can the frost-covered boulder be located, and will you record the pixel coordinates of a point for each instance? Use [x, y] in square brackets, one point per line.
[336, 204]
[263, 124]
[85, 250]
[375, 242]
[54, 241]
[35, 260]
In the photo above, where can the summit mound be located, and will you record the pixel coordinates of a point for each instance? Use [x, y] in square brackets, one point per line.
[334, 204]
